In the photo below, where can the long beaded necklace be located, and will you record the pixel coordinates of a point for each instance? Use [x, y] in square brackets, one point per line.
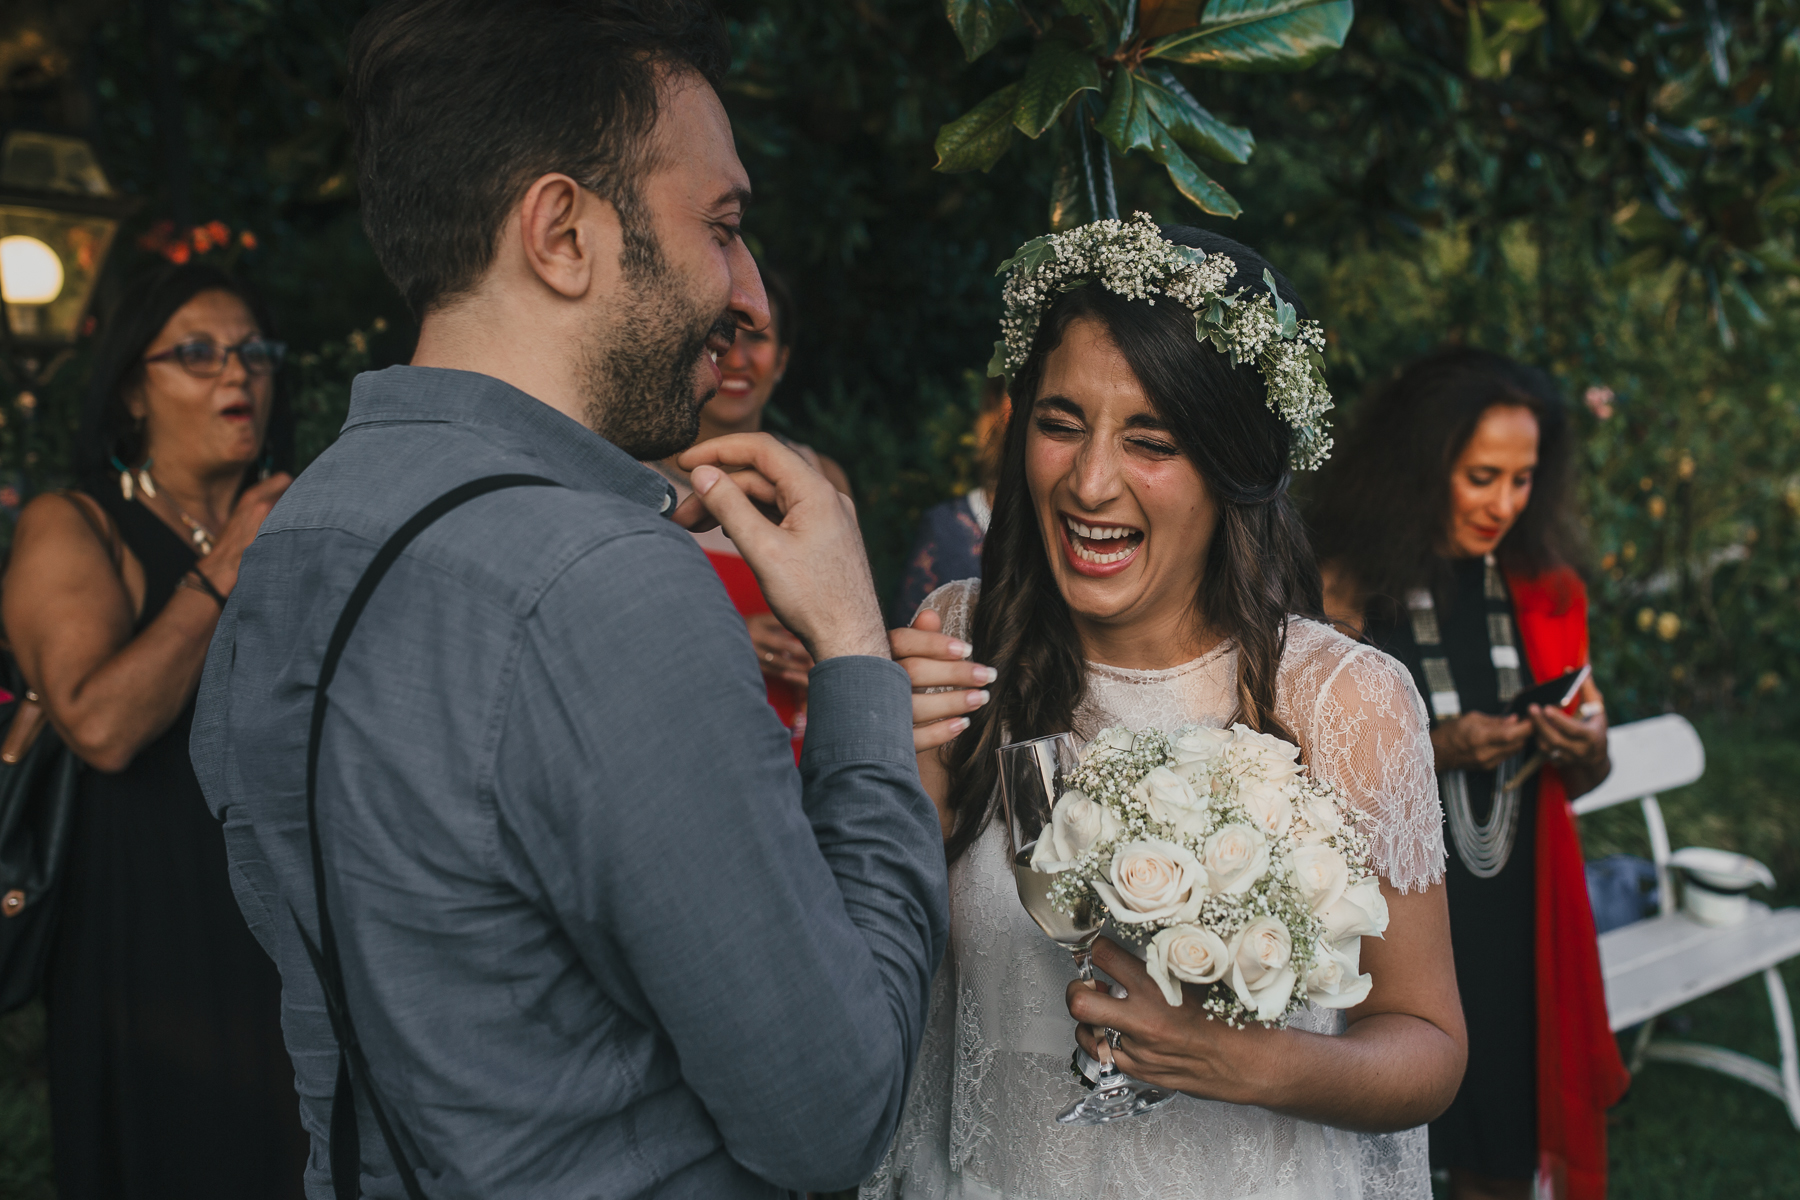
[1483, 846]
[131, 483]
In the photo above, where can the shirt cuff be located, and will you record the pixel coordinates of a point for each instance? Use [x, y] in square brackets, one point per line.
[858, 709]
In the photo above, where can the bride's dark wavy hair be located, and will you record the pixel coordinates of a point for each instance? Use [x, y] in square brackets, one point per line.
[1259, 569]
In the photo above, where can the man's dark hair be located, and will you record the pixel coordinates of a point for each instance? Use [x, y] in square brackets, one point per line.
[455, 106]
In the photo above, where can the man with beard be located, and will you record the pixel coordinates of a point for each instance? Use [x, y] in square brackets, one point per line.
[555, 913]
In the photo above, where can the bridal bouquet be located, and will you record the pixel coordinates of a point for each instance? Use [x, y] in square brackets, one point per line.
[1238, 867]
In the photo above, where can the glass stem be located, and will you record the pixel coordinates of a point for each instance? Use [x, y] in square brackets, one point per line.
[1084, 969]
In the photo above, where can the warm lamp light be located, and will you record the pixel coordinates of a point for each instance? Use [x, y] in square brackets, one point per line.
[30, 272]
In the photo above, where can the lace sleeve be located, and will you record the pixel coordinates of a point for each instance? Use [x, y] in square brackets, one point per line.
[1366, 734]
[955, 603]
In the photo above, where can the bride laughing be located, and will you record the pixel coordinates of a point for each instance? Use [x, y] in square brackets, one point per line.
[1145, 568]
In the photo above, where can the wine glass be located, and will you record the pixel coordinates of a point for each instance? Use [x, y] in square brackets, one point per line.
[1031, 780]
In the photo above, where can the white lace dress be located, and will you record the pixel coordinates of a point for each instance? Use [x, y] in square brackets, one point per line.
[993, 1069]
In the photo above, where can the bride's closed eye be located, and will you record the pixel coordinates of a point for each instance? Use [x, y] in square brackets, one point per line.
[1058, 427]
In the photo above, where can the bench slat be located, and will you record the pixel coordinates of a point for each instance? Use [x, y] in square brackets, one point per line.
[1656, 964]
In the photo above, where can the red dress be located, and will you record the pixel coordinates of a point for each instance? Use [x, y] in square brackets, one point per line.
[1579, 1073]
[746, 596]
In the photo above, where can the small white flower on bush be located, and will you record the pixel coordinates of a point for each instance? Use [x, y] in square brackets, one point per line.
[1173, 801]
[1333, 981]
[1185, 952]
[1237, 856]
[1153, 881]
[1260, 971]
[1076, 824]
[1361, 911]
[1321, 874]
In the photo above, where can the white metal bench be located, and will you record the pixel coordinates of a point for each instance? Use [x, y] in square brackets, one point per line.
[1656, 964]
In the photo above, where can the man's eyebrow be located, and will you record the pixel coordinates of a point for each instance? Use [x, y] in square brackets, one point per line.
[739, 196]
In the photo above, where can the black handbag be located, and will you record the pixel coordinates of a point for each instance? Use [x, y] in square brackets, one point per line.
[353, 1065]
[37, 816]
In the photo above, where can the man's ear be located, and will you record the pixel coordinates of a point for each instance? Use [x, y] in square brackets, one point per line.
[571, 237]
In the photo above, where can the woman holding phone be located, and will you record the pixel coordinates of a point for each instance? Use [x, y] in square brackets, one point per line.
[1443, 533]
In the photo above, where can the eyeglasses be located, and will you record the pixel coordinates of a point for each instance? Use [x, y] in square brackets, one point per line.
[206, 358]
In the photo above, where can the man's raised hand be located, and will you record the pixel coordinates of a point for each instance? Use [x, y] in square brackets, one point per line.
[811, 566]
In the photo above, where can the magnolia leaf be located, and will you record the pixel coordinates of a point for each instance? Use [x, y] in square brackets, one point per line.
[1068, 194]
[1579, 16]
[1159, 18]
[1189, 179]
[980, 24]
[1260, 35]
[976, 140]
[1103, 18]
[1127, 122]
[1058, 71]
[1193, 127]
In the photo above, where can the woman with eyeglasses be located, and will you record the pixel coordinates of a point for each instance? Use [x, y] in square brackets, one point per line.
[168, 1076]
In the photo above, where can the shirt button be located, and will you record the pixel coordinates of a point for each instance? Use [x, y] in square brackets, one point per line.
[667, 501]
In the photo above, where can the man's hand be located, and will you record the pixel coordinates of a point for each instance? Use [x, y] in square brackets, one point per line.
[812, 566]
[1478, 740]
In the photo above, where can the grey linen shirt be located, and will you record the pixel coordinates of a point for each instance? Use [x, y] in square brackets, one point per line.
[600, 938]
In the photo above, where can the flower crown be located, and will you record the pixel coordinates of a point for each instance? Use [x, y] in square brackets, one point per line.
[1134, 260]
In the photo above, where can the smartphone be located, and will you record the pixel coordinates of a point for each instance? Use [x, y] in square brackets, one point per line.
[1558, 693]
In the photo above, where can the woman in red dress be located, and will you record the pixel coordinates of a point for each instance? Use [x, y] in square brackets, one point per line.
[756, 363]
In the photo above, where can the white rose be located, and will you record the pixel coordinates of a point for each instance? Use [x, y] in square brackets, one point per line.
[1188, 952]
[1333, 981]
[1199, 743]
[1260, 971]
[1268, 805]
[1076, 823]
[1153, 881]
[1321, 874]
[1277, 758]
[1361, 911]
[1236, 857]
[1172, 800]
[1321, 810]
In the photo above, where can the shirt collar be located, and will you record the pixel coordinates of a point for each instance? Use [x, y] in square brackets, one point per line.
[583, 458]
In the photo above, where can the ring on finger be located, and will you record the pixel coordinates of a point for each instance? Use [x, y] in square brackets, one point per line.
[1114, 1037]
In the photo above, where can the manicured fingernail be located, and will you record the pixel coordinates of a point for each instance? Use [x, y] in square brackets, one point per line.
[961, 649]
[977, 699]
[704, 478]
[986, 674]
[958, 725]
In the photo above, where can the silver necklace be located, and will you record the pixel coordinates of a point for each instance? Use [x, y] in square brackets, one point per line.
[1483, 846]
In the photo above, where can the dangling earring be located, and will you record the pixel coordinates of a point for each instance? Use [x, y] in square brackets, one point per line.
[267, 468]
[125, 486]
[144, 480]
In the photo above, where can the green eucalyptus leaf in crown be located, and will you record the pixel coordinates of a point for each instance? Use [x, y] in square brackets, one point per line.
[1134, 260]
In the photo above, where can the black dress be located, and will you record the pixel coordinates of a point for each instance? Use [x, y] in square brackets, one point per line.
[1491, 1126]
[168, 1076]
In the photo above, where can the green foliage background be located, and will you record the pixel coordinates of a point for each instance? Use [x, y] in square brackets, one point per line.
[1618, 207]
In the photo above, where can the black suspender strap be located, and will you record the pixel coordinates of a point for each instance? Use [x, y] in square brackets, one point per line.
[353, 1067]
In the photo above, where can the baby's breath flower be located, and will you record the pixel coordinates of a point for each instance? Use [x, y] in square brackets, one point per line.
[1134, 260]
